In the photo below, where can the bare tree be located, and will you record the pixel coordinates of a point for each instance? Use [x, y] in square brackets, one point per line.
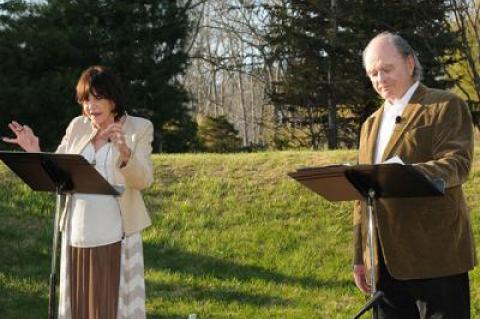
[466, 15]
[228, 72]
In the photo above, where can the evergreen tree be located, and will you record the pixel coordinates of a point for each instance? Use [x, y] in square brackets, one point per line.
[319, 46]
[217, 134]
[45, 46]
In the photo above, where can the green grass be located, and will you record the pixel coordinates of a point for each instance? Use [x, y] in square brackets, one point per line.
[233, 237]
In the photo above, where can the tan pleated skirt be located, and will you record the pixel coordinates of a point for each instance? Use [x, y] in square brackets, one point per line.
[94, 281]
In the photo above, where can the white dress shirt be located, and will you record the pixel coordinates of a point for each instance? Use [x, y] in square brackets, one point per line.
[390, 113]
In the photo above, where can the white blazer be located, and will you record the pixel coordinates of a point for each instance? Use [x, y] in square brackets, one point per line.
[135, 176]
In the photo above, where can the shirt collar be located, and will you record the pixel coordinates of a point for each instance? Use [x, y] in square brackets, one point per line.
[402, 102]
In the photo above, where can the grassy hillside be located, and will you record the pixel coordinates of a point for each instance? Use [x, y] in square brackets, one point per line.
[233, 237]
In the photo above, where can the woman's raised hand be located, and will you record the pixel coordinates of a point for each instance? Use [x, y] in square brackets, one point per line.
[24, 137]
[114, 133]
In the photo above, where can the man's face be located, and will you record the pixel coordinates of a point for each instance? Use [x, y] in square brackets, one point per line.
[390, 73]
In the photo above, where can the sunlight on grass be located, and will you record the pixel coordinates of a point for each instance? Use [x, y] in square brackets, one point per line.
[232, 237]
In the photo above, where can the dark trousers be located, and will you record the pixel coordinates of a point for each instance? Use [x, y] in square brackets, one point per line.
[435, 298]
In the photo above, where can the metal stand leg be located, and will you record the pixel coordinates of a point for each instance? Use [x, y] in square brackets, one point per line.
[53, 279]
[371, 235]
[375, 295]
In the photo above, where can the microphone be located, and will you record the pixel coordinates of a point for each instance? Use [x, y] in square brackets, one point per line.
[398, 119]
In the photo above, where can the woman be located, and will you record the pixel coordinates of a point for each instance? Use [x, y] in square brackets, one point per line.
[101, 273]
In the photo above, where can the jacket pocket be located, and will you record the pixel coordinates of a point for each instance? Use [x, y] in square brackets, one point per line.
[416, 145]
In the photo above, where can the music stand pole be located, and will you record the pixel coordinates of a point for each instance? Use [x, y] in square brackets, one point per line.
[62, 182]
[53, 277]
[370, 199]
[375, 295]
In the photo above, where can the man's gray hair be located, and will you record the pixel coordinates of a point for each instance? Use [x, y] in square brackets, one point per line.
[402, 47]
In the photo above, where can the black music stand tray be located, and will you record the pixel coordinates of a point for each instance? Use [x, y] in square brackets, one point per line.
[368, 183]
[62, 174]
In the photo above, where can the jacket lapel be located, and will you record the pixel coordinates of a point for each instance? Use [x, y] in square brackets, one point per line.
[411, 112]
[371, 128]
[83, 140]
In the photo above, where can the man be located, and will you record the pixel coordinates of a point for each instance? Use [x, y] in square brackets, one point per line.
[425, 246]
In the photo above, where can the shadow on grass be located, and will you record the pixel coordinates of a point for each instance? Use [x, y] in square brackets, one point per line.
[24, 263]
[167, 316]
[25, 251]
[16, 304]
[180, 261]
[197, 293]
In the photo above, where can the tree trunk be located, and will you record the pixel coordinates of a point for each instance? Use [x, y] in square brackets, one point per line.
[244, 108]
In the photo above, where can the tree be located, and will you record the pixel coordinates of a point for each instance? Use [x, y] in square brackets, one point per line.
[466, 21]
[318, 44]
[228, 70]
[46, 45]
[217, 134]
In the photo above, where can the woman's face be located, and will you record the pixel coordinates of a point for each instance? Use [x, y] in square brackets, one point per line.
[99, 110]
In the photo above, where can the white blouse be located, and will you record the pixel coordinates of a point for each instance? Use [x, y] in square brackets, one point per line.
[95, 219]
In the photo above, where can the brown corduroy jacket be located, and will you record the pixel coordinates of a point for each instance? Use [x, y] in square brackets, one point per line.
[431, 236]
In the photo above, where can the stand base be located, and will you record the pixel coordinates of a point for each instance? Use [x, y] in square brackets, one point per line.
[377, 296]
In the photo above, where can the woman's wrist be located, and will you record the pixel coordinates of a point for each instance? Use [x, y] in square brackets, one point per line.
[125, 154]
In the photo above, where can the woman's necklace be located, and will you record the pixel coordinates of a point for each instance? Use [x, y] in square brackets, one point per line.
[98, 142]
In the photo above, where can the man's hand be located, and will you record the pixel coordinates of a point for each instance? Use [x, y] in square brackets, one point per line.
[359, 274]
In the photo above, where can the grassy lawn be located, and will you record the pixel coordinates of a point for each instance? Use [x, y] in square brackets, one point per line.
[233, 237]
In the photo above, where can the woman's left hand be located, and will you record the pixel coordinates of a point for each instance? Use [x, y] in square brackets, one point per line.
[114, 134]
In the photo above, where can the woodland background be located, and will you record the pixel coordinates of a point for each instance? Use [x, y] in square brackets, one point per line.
[227, 75]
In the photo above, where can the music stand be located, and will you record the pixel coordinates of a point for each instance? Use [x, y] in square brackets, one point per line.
[62, 174]
[369, 183]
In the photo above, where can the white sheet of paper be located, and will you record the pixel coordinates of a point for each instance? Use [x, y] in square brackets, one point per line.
[394, 160]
